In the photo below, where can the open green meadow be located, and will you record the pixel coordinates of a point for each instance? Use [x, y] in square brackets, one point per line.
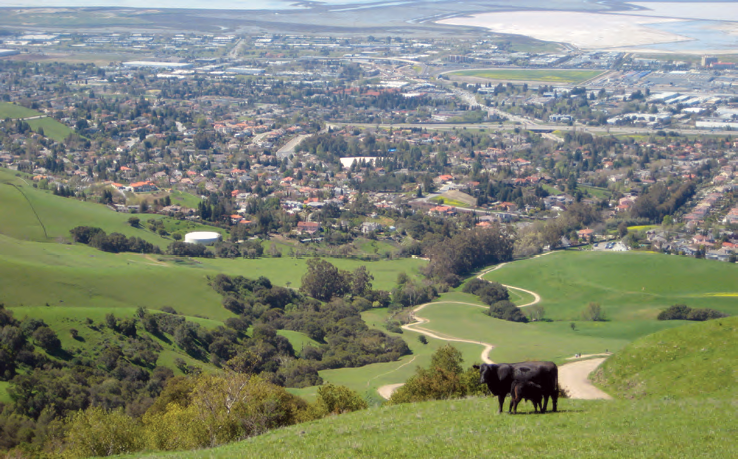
[629, 285]
[13, 111]
[52, 128]
[548, 76]
[516, 342]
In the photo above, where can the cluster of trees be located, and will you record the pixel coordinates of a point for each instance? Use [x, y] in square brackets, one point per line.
[411, 292]
[194, 412]
[662, 199]
[113, 242]
[489, 292]
[467, 251]
[443, 379]
[344, 339]
[497, 297]
[684, 312]
[324, 281]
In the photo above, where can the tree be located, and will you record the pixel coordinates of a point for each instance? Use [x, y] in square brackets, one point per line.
[47, 339]
[361, 281]
[423, 339]
[323, 281]
[536, 312]
[593, 312]
[134, 222]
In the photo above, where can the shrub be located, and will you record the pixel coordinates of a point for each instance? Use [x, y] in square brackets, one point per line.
[684, 312]
[444, 379]
[97, 432]
[489, 292]
[339, 399]
[506, 310]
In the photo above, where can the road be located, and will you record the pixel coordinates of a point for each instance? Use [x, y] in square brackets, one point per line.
[573, 378]
[602, 130]
[289, 148]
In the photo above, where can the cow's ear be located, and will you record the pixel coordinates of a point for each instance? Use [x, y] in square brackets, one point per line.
[476, 367]
[504, 372]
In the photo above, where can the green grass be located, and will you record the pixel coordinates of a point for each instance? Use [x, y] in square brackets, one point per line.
[448, 202]
[552, 76]
[298, 340]
[552, 190]
[52, 128]
[516, 342]
[58, 214]
[180, 198]
[13, 111]
[643, 227]
[696, 359]
[628, 285]
[4, 396]
[34, 274]
[469, 429]
[599, 193]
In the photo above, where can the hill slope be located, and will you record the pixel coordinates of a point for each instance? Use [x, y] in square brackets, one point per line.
[629, 285]
[697, 359]
[470, 428]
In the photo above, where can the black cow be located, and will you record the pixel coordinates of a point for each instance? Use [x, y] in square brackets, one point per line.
[526, 390]
[500, 378]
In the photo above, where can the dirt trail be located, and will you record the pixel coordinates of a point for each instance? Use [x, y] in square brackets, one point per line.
[573, 378]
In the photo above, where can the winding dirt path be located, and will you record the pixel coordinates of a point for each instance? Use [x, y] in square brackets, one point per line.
[573, 378]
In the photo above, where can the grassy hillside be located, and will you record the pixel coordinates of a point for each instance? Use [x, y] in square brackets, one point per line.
[697, 359]
[470, 428]
[52, 128]
[629, 285]
[13, 111]
[58, 214]
[34, 274]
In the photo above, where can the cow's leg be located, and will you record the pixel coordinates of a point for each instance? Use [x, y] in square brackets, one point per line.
[545, 403]
[555, 400]
[501, 399]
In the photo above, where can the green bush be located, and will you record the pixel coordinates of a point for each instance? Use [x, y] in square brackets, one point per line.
[339, 399]
[684, 312]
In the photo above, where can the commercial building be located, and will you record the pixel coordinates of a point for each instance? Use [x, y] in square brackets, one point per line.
[8, 52]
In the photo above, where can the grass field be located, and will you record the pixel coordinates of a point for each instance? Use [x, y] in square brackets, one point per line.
[549, 76]
[13, 111]
[33, 274]
[52, 128]
[628, 285]
[58, 214]
[515, 342]
[599, 193]
[468, 428]
[448, 202]
[673, 363]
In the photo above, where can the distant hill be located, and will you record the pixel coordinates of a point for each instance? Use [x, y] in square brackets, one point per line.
[695, 359]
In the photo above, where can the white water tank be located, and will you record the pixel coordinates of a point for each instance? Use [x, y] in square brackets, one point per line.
[202, 237]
